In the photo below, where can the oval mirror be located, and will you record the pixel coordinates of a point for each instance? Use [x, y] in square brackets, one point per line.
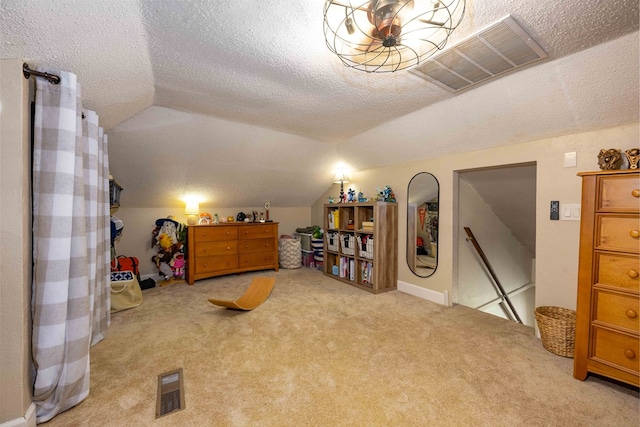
[423, 195]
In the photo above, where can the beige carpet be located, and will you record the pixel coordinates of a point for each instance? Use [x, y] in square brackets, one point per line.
[322, 353]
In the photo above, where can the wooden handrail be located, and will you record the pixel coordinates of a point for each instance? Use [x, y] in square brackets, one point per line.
[500, 290]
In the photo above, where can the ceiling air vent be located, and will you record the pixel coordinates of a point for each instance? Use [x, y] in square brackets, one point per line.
[500, 48]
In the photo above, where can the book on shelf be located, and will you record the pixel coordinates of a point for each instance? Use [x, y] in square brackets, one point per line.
[366, 273]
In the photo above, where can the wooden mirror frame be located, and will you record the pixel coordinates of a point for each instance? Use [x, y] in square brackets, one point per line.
[423, 191]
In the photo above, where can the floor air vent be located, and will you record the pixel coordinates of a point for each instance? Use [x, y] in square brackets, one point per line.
[170, 393]
[501, 48]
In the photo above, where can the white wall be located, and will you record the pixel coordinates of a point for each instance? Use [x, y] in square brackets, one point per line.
[557, 241]
[15, 250]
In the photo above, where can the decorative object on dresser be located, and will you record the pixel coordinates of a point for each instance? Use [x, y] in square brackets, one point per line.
[633, 156]
[607, 327]
[232, 247]
[350, 254]
[192, 209]
[609, 159]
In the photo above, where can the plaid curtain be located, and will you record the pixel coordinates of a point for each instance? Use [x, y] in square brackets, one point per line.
[71, 242]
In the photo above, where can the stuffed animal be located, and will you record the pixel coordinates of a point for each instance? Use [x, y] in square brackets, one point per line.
[177, 264]
[165, 241]
[165, 270]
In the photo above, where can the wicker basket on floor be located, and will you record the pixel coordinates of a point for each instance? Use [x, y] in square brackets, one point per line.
[557, 329]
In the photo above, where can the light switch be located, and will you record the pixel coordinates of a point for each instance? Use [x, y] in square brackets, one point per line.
[570, 212]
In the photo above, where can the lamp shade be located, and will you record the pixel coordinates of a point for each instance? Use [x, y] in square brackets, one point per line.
[192, 208]
[341, 176]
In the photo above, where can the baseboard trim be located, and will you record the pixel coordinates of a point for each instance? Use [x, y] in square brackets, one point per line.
[28, 420]
[441, 298]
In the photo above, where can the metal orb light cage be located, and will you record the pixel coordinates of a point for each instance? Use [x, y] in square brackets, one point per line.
[379, 36]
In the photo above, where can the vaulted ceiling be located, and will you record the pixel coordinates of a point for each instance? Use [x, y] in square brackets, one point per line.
[239, 100]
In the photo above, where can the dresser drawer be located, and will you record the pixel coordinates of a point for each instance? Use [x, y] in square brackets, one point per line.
[212, 264]
[618, 232]
[619, 193]
[216, 248]
[214, 232]
[258, 259]
[615, 348]
[617, 309]
[618, 270]
[257, 231]
[256, 245]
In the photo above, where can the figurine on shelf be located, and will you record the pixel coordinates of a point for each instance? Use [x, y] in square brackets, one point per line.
[361, 197]
[351, 195]
[386, 195]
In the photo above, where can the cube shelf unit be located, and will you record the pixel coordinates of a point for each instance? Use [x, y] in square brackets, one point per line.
[361, 239]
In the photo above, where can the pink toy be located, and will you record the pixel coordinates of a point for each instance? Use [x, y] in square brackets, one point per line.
[177, 264]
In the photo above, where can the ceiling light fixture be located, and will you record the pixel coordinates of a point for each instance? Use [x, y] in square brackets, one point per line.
[379, 36]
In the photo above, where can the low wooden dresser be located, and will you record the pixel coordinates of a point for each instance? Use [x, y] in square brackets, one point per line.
[235, 247]
[607, 326]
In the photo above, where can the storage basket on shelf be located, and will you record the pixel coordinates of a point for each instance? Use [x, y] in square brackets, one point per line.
[557, 329]
[332, 242]
[347, 244]
[290, 252]
[365, 247]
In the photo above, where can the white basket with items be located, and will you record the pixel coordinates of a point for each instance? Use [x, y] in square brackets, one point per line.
[365, 246]
[347, 244]
[332, 241]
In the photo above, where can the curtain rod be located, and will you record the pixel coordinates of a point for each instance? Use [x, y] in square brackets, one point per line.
[53, 79]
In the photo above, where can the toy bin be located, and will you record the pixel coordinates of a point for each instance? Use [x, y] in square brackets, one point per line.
[289, 249]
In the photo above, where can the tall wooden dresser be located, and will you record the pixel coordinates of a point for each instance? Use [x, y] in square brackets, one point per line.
[607, 332]
[235, 247]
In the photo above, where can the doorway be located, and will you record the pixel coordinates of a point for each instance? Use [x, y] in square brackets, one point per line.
[498, 205]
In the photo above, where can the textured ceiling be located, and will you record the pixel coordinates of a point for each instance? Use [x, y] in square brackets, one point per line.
[261, 72]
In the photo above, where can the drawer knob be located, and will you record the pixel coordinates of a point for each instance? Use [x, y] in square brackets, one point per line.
[204, 250]
[632, 273]
[228, 247]
[635, 192]
[634, 233]
[204, 234]
[631, 314]
[630, 354]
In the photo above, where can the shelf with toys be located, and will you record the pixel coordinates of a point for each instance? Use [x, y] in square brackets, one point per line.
[350, 254]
